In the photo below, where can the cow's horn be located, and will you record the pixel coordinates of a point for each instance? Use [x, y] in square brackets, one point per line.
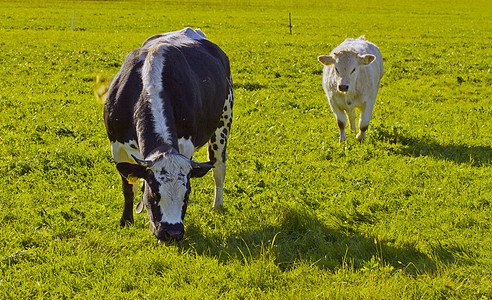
[145, 163]
[139, 207]
[196, 164]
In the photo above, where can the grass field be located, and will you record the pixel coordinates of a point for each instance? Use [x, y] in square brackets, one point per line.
[404, 215]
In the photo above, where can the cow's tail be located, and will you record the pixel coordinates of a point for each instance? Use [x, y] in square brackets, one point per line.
[231, 86]
[101, 87]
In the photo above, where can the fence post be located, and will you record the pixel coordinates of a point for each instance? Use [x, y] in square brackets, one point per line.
[73, 18]
[290, 24]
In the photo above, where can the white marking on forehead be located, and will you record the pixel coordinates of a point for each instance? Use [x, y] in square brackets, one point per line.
[172, 201]
[186, 147]
[172, 184]
[152, 84]
[346, 57]
[122, 152]
[172, 163]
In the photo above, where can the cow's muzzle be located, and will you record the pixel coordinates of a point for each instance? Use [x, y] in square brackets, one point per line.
[343, 87]
[165, 232]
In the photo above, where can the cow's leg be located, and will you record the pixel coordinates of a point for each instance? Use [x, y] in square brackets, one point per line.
[365, 118]
[129, 192]
[122, 152]
[217, 149]
[351, 117]
[341, 121]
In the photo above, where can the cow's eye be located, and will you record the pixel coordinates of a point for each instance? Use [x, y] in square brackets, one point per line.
[353, 70]
[336, 70]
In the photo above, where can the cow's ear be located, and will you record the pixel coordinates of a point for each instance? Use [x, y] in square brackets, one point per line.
[366, 59]
[131, 171]
[200, 169]
[326, 60]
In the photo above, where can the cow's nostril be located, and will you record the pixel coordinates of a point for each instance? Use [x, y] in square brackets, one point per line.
[162, 235]
[343, 87]
[176, 235]
[165, 232]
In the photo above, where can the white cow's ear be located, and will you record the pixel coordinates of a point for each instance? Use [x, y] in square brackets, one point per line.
[366, 59]
[326, 60]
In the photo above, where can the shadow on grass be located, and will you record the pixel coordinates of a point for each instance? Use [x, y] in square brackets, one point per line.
[249, 86]
[300, 237]
[460, 154]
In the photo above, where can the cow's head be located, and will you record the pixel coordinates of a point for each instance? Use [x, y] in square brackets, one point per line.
[166, 189]
[346, 67]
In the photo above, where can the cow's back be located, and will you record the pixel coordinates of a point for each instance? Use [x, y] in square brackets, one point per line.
[122, 97]
[194, 81]
[191, 73]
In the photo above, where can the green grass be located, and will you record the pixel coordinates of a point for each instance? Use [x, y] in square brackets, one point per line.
[406, 214]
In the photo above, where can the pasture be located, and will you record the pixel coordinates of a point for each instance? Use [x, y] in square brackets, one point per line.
[405, 214]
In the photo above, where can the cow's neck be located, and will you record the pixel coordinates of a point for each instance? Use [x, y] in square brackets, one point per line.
[151, 145]
[156, 133]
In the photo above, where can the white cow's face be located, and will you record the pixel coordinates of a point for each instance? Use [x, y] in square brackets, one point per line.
[165, 194]
[346, 67]
[166, 189]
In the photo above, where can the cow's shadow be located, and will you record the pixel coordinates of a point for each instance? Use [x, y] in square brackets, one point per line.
[426, 146]
[300, 236]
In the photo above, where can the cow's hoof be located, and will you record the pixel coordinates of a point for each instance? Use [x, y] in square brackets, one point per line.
[124, 222]
[219, 208]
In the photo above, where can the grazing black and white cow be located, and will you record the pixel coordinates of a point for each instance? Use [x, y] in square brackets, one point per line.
[171, 96]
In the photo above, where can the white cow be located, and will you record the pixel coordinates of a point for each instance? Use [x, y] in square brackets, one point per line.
[351, 79]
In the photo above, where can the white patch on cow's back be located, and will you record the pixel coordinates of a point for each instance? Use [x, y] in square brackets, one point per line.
[152, 85]
[196, 34]
[186, 35]
[186, 147]
[122, 152]
[200, 33]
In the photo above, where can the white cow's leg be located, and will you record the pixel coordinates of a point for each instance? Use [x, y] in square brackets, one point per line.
[351, 118]
[365, 118]
[341, 121]
[350, 110]
[217, 150]
[219, 173]
[217, 153]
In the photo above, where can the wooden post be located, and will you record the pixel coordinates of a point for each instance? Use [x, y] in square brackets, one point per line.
[290, 24]
[73, 18]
